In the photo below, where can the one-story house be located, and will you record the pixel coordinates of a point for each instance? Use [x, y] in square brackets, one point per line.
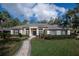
[37, 29]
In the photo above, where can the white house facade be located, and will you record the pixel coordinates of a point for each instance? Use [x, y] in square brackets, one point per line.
[37, 29]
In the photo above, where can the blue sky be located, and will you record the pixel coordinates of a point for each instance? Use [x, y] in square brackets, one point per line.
[66, 5]
[34, 12]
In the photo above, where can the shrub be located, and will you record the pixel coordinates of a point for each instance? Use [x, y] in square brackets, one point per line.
[20, 35]
[49, 37]
[9, 47]
[4, 35]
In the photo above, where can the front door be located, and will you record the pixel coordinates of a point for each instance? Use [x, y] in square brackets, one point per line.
[33, 31]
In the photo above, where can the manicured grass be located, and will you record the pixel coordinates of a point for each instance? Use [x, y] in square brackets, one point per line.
[67, 47]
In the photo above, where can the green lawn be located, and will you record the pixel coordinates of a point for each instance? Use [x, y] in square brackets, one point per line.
[66, 47]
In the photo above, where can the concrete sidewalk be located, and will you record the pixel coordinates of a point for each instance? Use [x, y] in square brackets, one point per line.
[25, 50]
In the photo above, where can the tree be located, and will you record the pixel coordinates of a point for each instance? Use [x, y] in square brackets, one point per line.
[4, 17]
[54, 21]
[74, 18]
[57, 21]
[66, 21]
[16, 22]
[25, 21]
[51, 22]
[7, 21]
[42, 21]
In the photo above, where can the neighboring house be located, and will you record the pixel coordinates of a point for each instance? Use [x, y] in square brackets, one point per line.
[37, 29]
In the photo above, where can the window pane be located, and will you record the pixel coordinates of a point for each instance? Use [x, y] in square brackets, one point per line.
[16, 32]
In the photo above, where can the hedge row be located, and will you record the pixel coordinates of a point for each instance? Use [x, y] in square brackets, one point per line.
[49, 37]
[5, 35]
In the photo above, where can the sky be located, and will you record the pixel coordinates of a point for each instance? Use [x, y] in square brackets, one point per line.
[36, 11]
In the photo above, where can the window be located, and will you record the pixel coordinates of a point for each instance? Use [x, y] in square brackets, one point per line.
[40, 31]
[27, 32]
[27, 28]
[16, 32]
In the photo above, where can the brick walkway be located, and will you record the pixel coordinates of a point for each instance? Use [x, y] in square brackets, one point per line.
[25, 50]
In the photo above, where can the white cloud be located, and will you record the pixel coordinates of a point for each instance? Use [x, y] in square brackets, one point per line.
[42, 11]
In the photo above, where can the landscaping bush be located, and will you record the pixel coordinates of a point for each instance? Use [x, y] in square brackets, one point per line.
[4, 35]
[16, 37]
[20, 35]
[9, 47]
[49, 37]
[1, 34]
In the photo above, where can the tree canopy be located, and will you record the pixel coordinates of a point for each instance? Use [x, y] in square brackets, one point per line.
[7, 21]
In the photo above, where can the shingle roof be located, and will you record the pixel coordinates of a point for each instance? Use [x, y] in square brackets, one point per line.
[37, 25]
[54, 27]
[29, 25]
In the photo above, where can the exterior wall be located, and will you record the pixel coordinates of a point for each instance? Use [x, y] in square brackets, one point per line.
[58, 32]
[24, 31]
[68, 32]
[54, 32]
[30, 33]
[27, 32]
[48, 32]
[63, 32]
[51, 32]
[14, 32]
[43, 28]
[37, 31]
[20, 31]
[11, 31]
[40, 31]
